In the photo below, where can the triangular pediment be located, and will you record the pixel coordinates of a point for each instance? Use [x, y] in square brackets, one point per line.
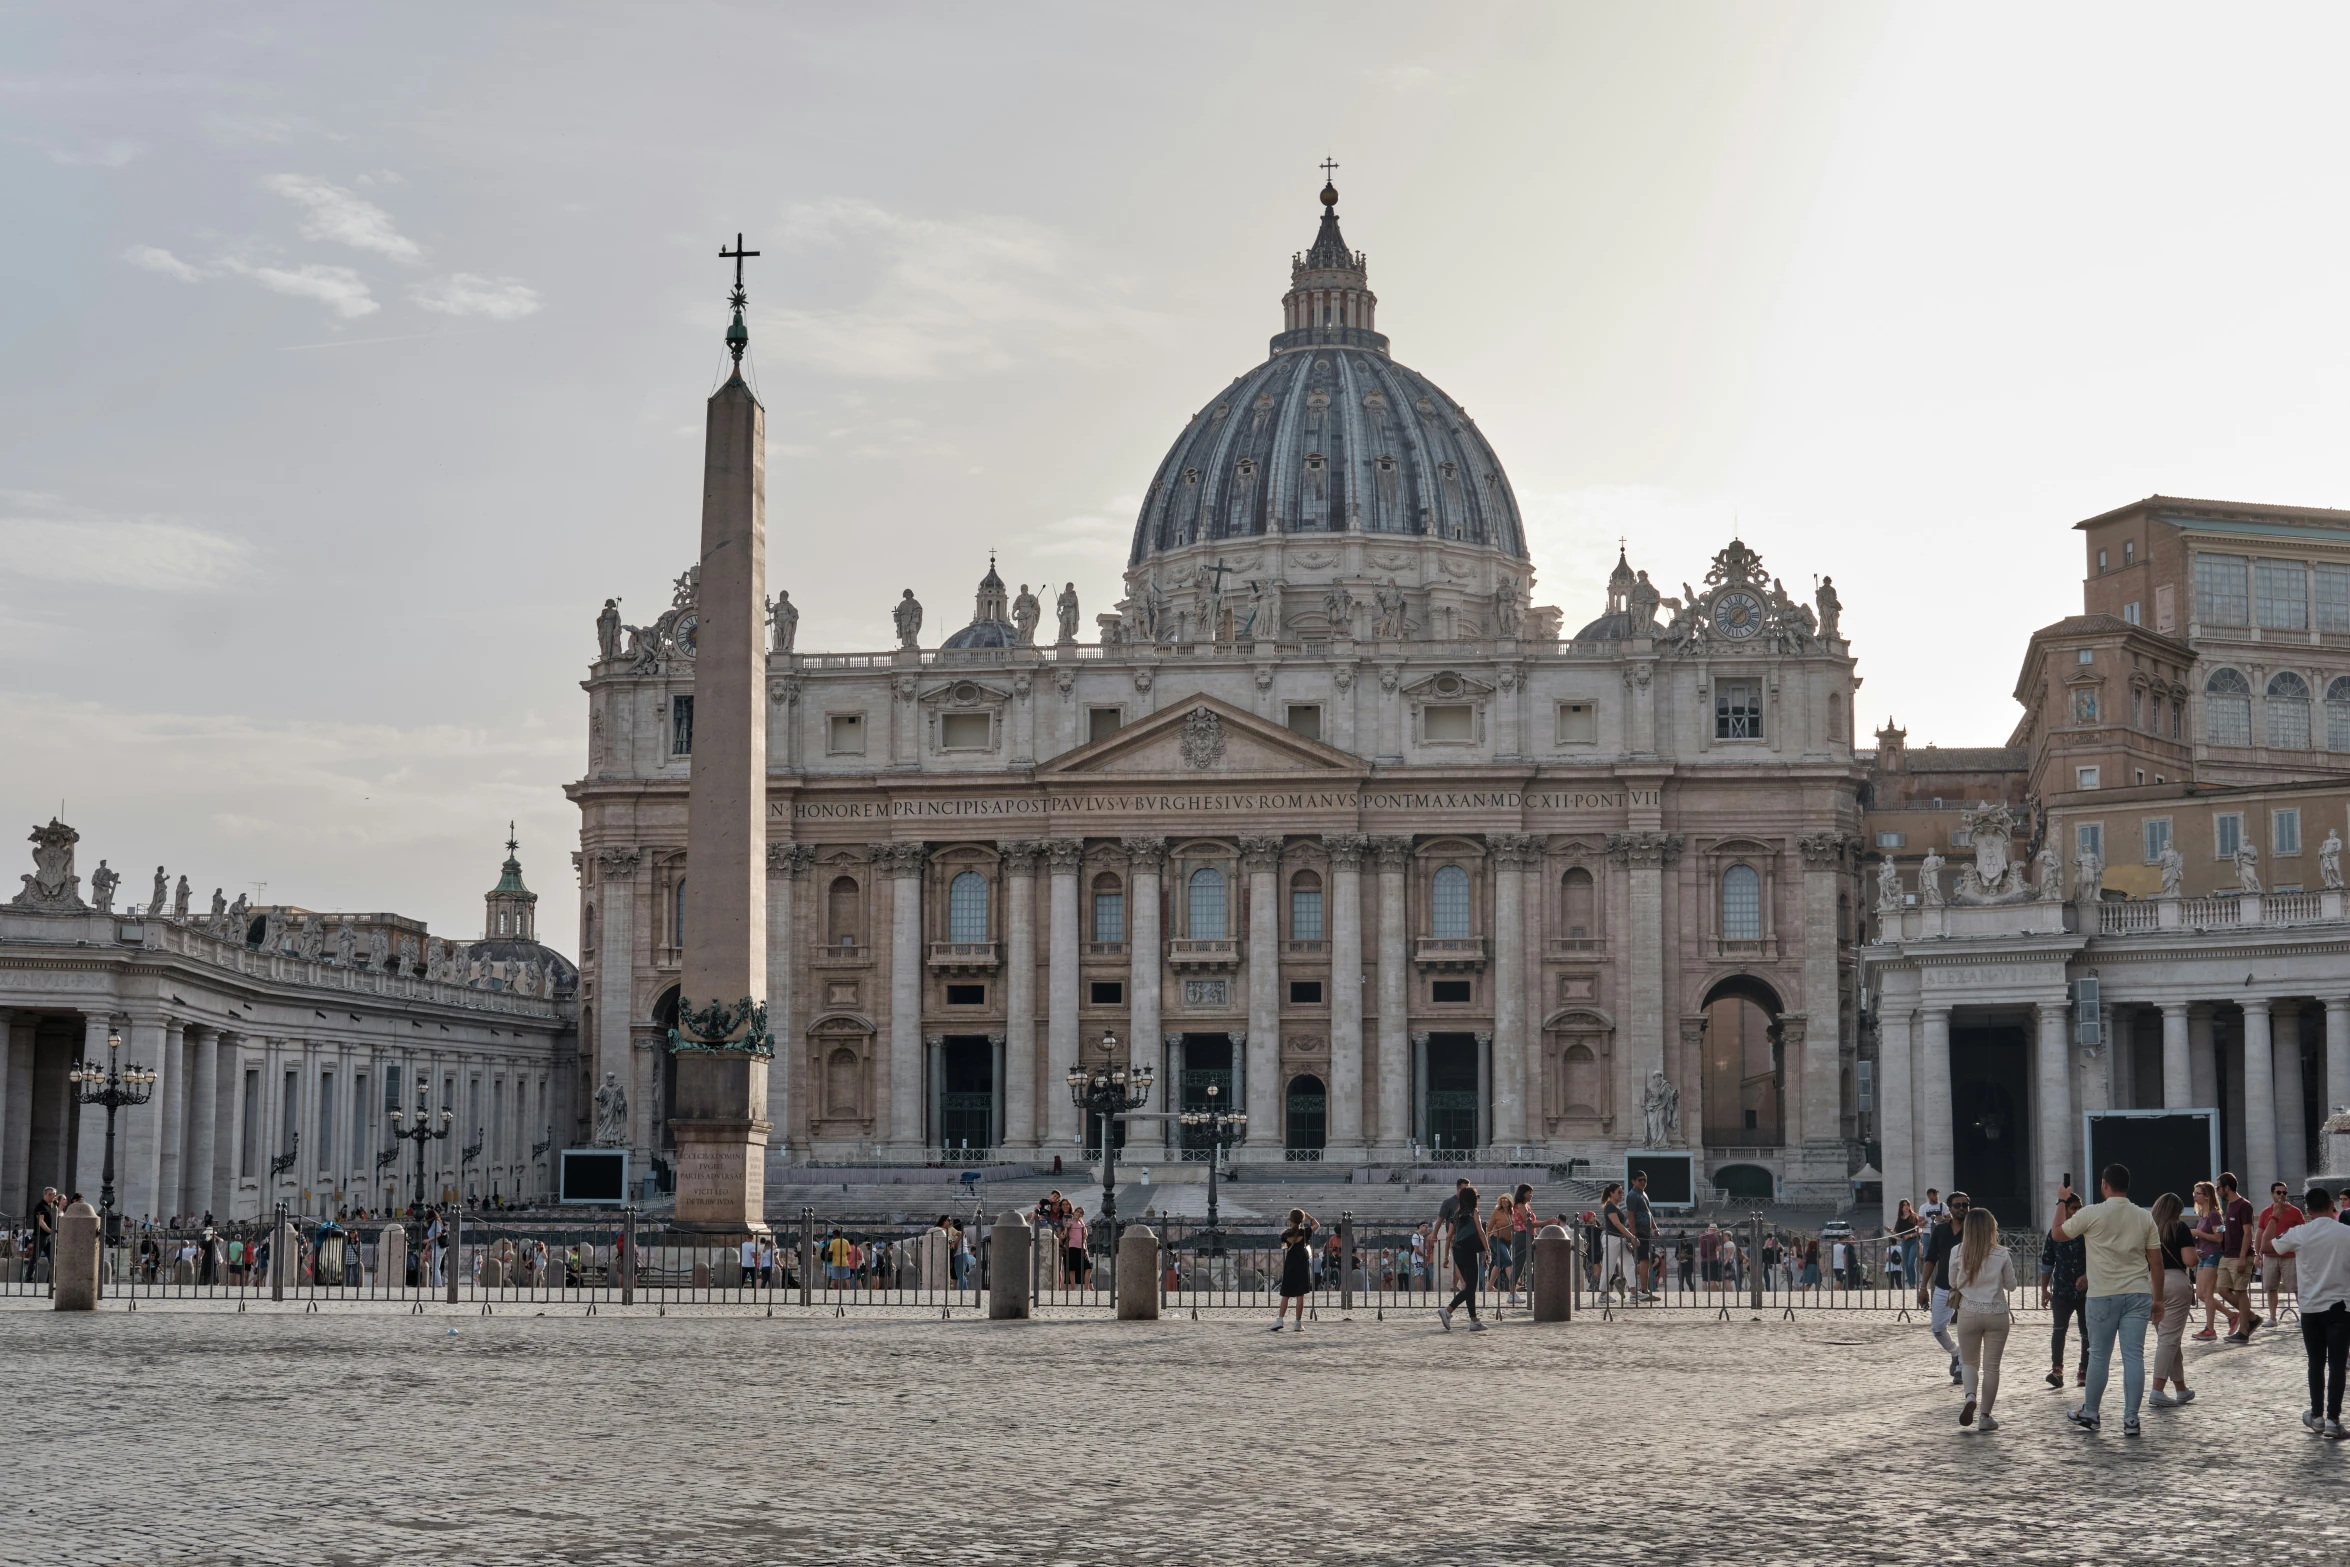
[1200, 737]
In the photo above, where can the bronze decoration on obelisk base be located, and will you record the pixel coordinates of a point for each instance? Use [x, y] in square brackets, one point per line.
[721, 1042]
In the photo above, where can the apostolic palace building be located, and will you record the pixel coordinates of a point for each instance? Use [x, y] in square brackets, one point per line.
[1322, 812]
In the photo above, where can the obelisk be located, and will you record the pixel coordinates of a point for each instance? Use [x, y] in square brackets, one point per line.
[721, 1041]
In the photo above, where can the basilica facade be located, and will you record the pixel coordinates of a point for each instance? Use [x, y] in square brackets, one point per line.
[1324, 814]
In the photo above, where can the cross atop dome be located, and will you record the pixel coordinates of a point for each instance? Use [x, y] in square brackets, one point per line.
[1329, 286]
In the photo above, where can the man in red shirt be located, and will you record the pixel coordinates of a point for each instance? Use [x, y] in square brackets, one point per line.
[2276, 1269]
[2236, 1260]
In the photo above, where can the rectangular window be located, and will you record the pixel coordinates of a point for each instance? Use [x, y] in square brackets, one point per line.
[2227, 835]
[2285, 832]
[1107, 992]
[326, 1120]
[1448, 990]
[1864, 1085]
[1738, 710]
[1305, 718]
[1305, 992]
[1305, 914]
[2101, 563]
[965, 731]
[1578, 723]
[845, 734]
[1102, 722]
[2176, 708]
[249, 1146]
[2281, 593]
[2085, 656]
[2085, 777]
[2157, 838]
[2222, 592]
[681, 726]
[2129, 552]
[391, 1089]
[966, 995]
[2166, 613]
[290, 1114]
[1892, 840]
[2332, 585]
[2130, 612]
[1451, 721]
[2089, 838]
[1109, 916]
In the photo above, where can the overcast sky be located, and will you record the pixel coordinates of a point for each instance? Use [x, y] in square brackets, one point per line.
[351, 356]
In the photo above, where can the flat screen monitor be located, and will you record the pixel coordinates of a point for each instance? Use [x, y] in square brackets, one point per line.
[595, 1175]
[1672, 1176]
[2165, 1150]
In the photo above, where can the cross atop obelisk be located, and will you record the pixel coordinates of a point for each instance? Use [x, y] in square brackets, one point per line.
[738, 336]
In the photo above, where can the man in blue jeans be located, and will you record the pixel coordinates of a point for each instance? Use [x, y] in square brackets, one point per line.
[2125, 1258]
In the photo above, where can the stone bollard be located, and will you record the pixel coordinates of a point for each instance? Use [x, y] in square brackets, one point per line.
[938, 1261]
[493, 1274]
[1554, 1275]
[391, 1258]
[76, 1254]
[285, 1259]
[1010, 1244]
[1138, 1276]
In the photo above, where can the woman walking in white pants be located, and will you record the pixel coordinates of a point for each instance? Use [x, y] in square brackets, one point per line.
[2178, 1303]
[1980, 1276]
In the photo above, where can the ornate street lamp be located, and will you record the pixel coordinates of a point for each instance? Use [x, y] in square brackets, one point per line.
[1107, 1093]
[113, 1088]
[422, 1132]
[1223, 1129]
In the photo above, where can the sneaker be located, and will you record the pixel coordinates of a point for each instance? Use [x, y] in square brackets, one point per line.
[1276, 1327]
[2056, 1377]
[2316, 1422]
[2207, 1336]
[2334, 1430]
[1966, 1416]
[1986, 1424]
[2237, 1338]
[1444, 1315]
[2081, 1377]
[2158, 1399]
[1476, 1326]
[1957, 1375]
[2249, 1326]
[2186, 1395]
[2082, 1418]
[2129, 1428]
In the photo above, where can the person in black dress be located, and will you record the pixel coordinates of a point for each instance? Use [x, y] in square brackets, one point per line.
[1468, 1257]
[1297, 1266]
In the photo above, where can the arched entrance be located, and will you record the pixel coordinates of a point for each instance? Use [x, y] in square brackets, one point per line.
[1306, 1127]
[1745, 1068]
[1745, 1183]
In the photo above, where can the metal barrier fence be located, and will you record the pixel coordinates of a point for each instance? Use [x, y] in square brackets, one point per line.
[1376, 1267]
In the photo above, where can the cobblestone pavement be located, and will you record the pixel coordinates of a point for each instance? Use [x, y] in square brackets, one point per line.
[201, 1436]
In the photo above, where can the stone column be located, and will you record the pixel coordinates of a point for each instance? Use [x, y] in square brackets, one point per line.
[1146, 951]
[1261, 859]
[2054, 1072]
[1896, 1128]
[1644, 856]
[17, 1043]
[1395, 987]
[2292, 1120]
[139, 1137]
[1511, 852]
[2178, 1074]
[2337, 1083]
[1063, 1047]
[903, 862]
[171, 1109]
[1020, 1069]
[1824, 862]
[613, 1050]
[2202, 1057]
[1346, 994]
[1935, 1140]
[787, 863]
[2260, 1099]
[217, 1138]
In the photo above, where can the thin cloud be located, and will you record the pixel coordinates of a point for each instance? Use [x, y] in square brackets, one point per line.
[340, 289]
[343, 217]
[466, 294]
[110, 154]
[155, 258]
[155, 554]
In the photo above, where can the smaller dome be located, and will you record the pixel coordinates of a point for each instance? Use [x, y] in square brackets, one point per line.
[1615, 626]
[984, 633]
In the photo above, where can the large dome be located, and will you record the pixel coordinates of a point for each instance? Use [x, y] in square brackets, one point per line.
[1329, 436]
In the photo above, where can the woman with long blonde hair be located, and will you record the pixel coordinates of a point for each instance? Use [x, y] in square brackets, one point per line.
[2209, 1228]
[1980, 1276]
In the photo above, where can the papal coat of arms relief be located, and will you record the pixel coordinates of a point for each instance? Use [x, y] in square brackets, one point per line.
[1203, 739]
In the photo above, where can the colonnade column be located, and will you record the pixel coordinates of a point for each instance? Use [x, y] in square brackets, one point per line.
[1345, 1126]
[1645, 855]
[2178, 1072]
[2202, 1056]
[1896, 1125]
[904, 861]
[1261, 858]
[1935, 1142]
[1145, 952]
[1020, 1075]
[612, 1050]
[1824, 861]
[2055, 1075]
[171, 1121]
[17, 1036]
[1511, 851]
[1061, 1040]
[2337, 1083]
[2292, 1119]
[1395, 1045]
[138, 1149]
[2260, 1100]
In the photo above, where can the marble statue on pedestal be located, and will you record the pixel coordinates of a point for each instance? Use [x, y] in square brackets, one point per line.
[379, 951]
[179, 899]
[1065, 613]
[1026, 612]
[1660, 1111]
[219, 905]
[103, 881]
[1930, 880]
[611, 1114]
[159, 901]
[907, 617]
[2248, 867]
[1831, 609]
[2091, 866]
[2174, 870]
[1888, 886]
[608, 630]
[2329, 861]
[2051, 885]
[346, 945]
[784, 617]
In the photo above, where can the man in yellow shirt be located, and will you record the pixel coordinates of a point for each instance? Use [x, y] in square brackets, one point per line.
[2125, 1258]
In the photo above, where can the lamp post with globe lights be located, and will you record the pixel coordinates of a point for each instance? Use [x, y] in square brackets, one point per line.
[422, 1132]
[1106, 1093]
[1223, 1128]
[113, 1088]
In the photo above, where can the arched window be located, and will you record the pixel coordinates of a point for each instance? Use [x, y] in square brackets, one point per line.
[680, 911]
[2227, 708]
[1741, 904]
[1109, 908]
[1448, 904]
[841, 921]
[1580, 904]
[1305, 907]
[2338, 714]
[967, 907]
[1204, 904]
[2288, 711]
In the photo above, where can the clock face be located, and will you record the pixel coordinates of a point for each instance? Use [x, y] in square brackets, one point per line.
[1737, 615]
